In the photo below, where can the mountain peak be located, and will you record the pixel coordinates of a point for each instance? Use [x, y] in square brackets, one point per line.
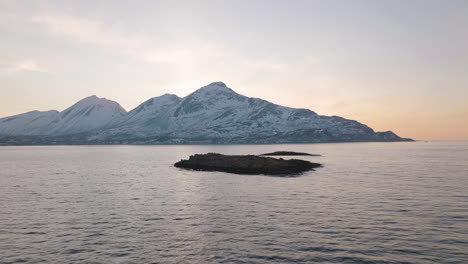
[160, 100]
[93, 99]
[93, 102]
[168, 95]
[220, 84]
[215, 86]
[98, 101]
[214, 89]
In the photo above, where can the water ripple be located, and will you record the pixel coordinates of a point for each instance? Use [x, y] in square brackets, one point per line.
[371, 203]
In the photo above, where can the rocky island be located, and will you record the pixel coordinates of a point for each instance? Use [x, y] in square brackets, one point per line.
[246, 164]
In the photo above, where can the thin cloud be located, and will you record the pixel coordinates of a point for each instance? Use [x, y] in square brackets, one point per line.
[30, 66]
[95, 33]
[197, 55]
[22, 66]
[84, 30]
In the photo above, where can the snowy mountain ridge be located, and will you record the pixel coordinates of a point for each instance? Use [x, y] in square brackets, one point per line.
[213, 114]
[87, 114]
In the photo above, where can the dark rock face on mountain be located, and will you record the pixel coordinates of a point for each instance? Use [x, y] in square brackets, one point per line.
[245, 164]
[213, 114]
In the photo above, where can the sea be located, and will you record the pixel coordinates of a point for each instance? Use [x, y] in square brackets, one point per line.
[402, 202]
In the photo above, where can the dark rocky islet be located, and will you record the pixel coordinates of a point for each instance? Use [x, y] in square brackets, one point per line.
[246, 164]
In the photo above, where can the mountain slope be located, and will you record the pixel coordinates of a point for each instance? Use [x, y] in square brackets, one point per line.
[149, 116]
[213, 114]
[88, 114]
[30, 123]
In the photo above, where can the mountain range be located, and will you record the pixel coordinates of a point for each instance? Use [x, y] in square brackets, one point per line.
[213, 114]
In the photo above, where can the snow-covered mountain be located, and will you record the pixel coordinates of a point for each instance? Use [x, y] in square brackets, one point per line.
[88, 114]
[149, 117]
[213, 114]
[30, 123]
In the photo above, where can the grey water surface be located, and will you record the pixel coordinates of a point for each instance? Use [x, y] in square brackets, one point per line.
[370, 203]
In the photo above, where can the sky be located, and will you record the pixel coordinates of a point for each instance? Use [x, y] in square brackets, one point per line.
[392, 65]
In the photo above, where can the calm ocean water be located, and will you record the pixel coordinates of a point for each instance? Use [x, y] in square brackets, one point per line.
[370, 203]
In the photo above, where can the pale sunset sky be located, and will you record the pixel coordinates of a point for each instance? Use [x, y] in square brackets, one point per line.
[392, 65]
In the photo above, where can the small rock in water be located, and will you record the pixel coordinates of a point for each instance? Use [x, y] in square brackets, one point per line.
[246, 164]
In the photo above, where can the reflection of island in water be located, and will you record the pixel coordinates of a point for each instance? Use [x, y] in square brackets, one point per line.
[288, 153]
[246, 164]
